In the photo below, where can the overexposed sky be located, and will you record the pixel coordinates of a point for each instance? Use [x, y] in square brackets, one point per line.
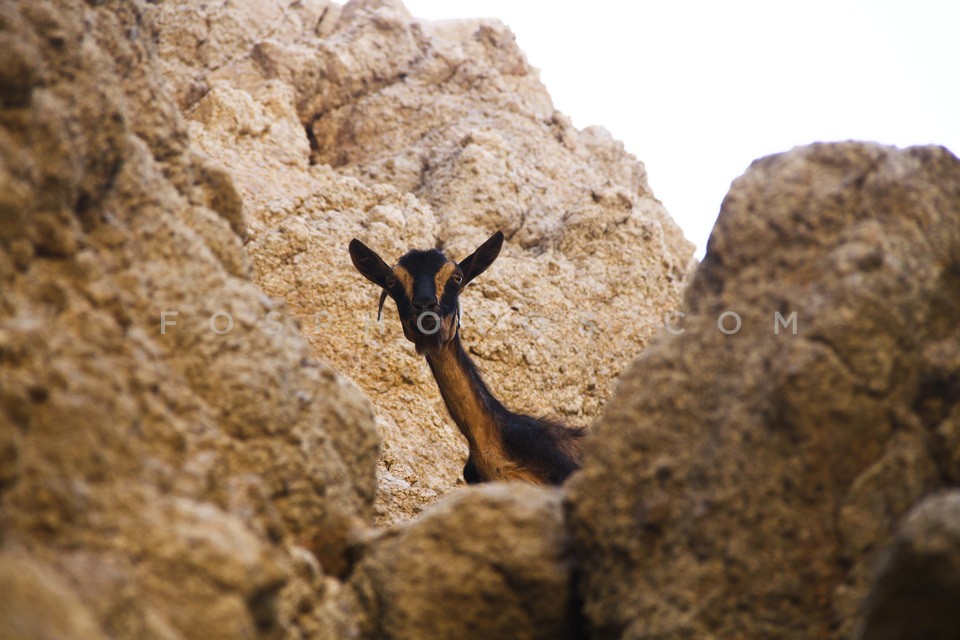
[697, 90]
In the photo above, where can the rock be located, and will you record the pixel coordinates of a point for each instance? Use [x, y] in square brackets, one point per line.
[488, 562]
[166, 437]
[917, 583]
[36, 605]
[437, 134]
[174, 460]
[740, 485]
[181, 454]
[199, 43]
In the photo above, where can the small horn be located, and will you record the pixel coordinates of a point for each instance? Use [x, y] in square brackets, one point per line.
[383, 298]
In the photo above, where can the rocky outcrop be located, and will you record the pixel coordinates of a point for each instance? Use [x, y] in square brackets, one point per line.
[156, 469]
[368, 123]
[489, 562]
[175, 462]
[741, 485]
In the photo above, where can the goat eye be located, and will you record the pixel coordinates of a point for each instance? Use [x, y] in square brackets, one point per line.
[458, 277]
[390, 281]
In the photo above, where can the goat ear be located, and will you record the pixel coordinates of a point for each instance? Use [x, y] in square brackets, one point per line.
[478, 261]
[369, 264]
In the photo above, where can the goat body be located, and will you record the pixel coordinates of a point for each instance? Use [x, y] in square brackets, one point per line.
[503, 445]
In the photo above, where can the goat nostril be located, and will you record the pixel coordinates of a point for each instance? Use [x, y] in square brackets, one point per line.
[425, 305]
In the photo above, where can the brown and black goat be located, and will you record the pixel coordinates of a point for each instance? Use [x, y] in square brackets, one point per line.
[426, 286]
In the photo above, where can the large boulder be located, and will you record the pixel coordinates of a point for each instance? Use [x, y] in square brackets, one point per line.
[166, 436]
[741, 482]
[176, 463]
[489, 562]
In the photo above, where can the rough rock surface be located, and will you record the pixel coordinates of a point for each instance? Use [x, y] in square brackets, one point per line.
[916, 588]
[490, 562]
[201, 482]
[740, 485]
[425, 135]
[152, 484]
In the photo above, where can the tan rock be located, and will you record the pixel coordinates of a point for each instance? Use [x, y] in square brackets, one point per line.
[36, 605]
[155, 479]
[200, 42]
[183, 480]
[490, 562]
[740, 485]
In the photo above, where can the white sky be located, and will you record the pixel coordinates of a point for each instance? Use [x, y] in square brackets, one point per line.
[697, 90]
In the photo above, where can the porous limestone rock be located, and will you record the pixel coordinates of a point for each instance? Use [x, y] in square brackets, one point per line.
[489, 562]
[741, 485]
[36, 605]
[187, 481]
[410, 134]
[154, 480]
[199, 42]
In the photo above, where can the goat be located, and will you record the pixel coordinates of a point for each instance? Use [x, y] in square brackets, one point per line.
[426, 286]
